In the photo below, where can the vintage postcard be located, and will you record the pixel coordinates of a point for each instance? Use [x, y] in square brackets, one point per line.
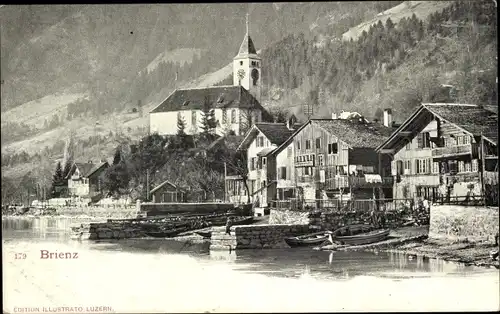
[250, 157]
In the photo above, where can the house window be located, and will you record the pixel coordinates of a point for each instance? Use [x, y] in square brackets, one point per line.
[241, 62]
[450, 141]
[261, 141]
[252, 163]
[193, 118]
[233, 116]
[307, 171]
[308, 144]
[474, 165]
[399, 167]
[435, 167]
[422, 165]
[282, 173]
[463, 140]
[408, 145]
[289, 152]
[452, 166]
[320, 160]
[224, 115]
[318, 143]
[407, 167]
[264, 159]
[298, 145]
[468, 167]
[253, 63]
[424, 140]
[461, 166]
[333, 148]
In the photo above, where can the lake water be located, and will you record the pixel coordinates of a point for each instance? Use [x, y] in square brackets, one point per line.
[153, 275]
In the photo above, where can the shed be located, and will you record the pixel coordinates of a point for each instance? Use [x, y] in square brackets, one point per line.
[167, 192]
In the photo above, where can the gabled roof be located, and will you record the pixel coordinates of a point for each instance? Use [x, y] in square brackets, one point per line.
[218, 97]
[165, 183]
[276, 133]
[86, 169]
[351, 132]
[472, 119]
[354, 133]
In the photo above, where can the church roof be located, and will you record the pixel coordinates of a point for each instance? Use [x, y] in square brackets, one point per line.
[247, 46]
[219, 97]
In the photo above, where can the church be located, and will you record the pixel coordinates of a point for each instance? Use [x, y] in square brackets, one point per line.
[237, 107]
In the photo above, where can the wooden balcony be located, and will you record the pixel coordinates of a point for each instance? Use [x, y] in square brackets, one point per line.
[443, 152]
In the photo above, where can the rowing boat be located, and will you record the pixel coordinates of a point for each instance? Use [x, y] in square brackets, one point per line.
[359, 234]
[307, 239]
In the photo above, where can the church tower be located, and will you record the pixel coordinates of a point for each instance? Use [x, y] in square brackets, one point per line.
[247, 67]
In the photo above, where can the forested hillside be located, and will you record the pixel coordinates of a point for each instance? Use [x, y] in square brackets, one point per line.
[395, 66]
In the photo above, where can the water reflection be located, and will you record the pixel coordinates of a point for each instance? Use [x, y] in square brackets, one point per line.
[280, 262]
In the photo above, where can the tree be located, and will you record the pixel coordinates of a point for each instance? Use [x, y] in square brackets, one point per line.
[116, 179]
[117, 158]
[57, 178]
[181, 125]
[208, 122]
[69, 148]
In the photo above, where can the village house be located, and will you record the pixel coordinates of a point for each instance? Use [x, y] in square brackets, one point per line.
[445, 152]
[85, 179]
[167, 192]
[333, 158]
[258, 143]
[235, 107]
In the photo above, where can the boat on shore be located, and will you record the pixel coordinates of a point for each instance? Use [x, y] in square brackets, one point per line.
[359, 234]
[204, 233]
[307, 239]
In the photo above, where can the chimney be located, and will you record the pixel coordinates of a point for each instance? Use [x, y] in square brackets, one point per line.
[388, 117]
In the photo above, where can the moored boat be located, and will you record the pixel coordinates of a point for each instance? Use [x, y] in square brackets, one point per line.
[359, 234]
[307, 239]
[204, 233]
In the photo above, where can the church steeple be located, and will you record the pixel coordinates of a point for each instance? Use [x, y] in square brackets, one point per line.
[246, 65]
[247, 46]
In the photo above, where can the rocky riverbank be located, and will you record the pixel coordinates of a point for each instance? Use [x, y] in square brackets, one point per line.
[414, 241]
[477, 254]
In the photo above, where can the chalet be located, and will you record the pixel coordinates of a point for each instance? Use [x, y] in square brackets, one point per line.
[330, 157]
[85, 179]
[444, 151]
[168, 192]
[235, 107]
[259, 142]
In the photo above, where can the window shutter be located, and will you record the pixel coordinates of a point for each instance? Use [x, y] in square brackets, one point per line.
[429, 164]
[283, 172]
[420, 141]
[417, 162]
[393, 168]
[279, 173]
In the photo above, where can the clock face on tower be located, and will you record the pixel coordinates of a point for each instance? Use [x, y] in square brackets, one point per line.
[241, 74]
[255, 76]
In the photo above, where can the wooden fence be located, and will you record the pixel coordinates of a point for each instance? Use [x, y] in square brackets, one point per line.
[364, 205]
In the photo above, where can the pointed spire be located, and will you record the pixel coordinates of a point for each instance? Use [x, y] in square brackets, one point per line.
[247, 46]
[248, 27]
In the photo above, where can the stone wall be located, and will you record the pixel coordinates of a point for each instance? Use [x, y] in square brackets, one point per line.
[105, 230]
[456, 222]
[324, 220]
[158, 209]
[283, 216]
[255, 236]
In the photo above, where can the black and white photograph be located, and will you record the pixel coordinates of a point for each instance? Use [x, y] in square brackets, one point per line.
[250, 157]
